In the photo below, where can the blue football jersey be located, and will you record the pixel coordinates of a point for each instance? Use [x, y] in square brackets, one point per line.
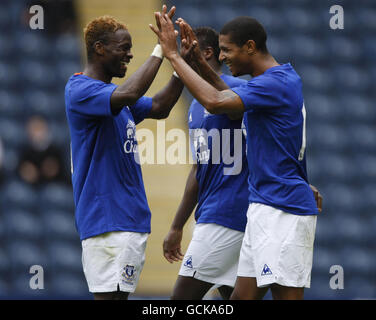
[108, 188]
[275, 122]
[218, 146]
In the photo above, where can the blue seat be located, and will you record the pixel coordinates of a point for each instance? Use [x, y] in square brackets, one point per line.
[5, 264]
[323, 108]
[65, 255]
[340, 198]
[67, 46]
[65, 69]
[59, 224]
[59, 129]
[12, 132]
[351, 79]
[358, 260]
[344, 49]
[33, 45]
[8, 75]
[324, 232]
[359, 286]
[11, 105]
[24, 253]
[69, 285]
[4, 288]
[10, 158]
[368, 192]
[354, 229]
[38, 74]
[56, 196]
[316, 78]
[277, 46]
[365, 164]
[337, 168]
[323, 258]
[362, 138]
[22, 224]
[300, 19]
[20, 288]
[19, 195]
[306, 48]
[358, 108]
[366, 18]
[329, 137]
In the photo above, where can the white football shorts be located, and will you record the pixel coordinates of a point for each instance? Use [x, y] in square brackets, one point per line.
[213, 254]
[277, 247]
[114, 260]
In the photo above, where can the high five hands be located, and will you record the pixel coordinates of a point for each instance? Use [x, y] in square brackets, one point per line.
[167, 36]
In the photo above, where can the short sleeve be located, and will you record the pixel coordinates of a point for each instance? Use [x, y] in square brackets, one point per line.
[141, 109]
[91, 98]
[262, 92]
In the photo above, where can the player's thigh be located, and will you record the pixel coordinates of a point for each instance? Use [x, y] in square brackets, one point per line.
[189, 288]
[246, 289]
[225, 292]
[286, 293]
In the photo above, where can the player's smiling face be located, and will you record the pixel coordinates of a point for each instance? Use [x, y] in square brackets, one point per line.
[118, 53]
[235, 57]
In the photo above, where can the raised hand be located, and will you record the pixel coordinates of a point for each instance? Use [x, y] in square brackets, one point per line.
[189, 40]
[165, 31]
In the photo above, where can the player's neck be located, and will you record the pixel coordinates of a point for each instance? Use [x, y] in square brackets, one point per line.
[213, 63]
[96, 71]
[262, 63]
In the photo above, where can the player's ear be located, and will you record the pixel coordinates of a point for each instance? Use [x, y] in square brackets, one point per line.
[208, 53]
[98, 47]
[251, 47]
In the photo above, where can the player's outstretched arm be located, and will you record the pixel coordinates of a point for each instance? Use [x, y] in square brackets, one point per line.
[172, 242]
[213, 100]
[189, 38]
[139, 82]
[165, 99]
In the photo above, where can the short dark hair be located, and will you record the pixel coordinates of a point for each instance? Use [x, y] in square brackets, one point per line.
[242, 29]
[208, 37]
[100, 29]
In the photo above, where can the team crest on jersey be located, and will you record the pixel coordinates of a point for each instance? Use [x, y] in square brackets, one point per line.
[200, 144]
[130, 144]
[128, 274]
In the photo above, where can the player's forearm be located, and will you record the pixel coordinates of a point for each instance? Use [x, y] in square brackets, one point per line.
[137, 84]
[165, 99]
[188, 202]
[212, 77]
[204, 92]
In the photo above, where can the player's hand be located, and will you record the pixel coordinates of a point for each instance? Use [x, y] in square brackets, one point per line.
[166, 33]
[318, 197]
[189, 40]
[187, 44]
[172, 246]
